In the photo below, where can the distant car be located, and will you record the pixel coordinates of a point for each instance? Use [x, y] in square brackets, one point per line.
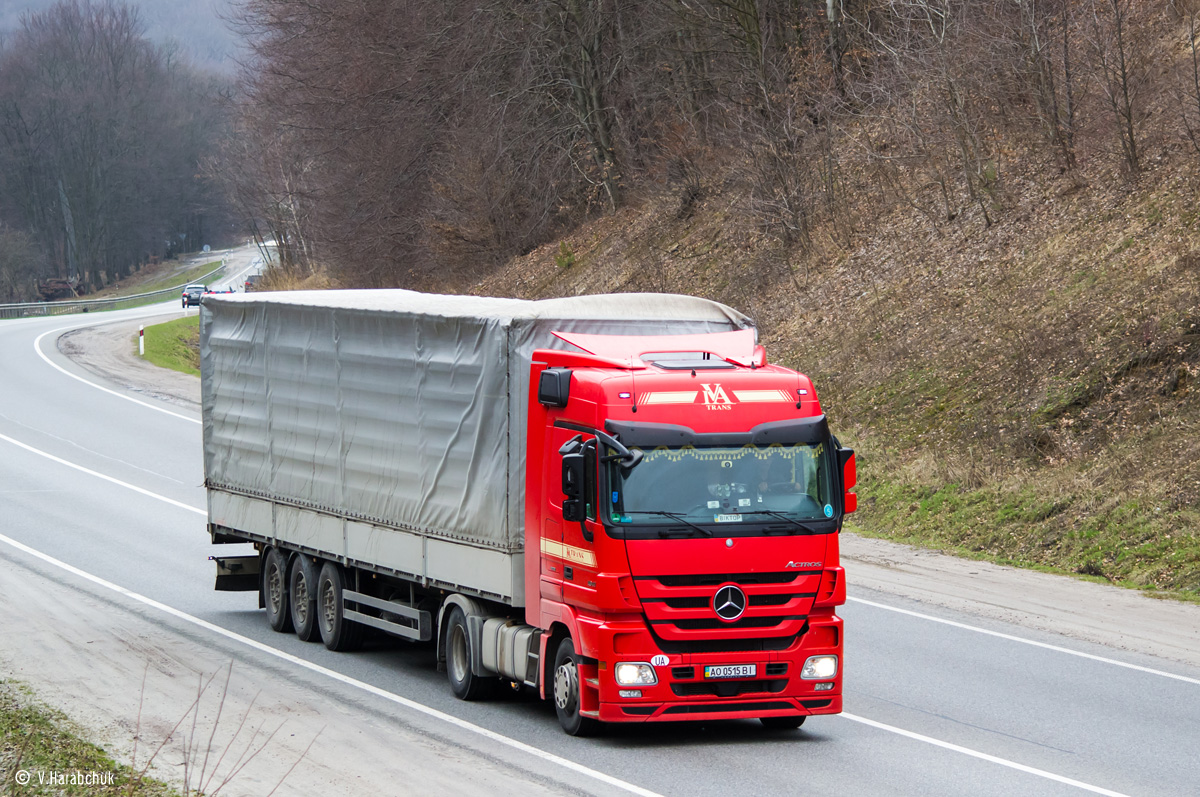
[252, 281]
[192, 294]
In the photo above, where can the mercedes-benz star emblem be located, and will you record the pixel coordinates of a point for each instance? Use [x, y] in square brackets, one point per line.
[729, 603]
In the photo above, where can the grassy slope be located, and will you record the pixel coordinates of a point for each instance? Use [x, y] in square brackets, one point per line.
[1021, 392]
[156, 278]
[175, 344]
[43, 743]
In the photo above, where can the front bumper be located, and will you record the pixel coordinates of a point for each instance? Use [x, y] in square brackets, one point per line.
[683, 693]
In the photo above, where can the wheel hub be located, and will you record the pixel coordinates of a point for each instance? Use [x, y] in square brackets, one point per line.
[328, 607]
[458, 653]
[275, 589]
[301, 597]
[565, 685]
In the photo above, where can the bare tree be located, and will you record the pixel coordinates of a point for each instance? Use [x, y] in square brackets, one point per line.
[102, 131]
[20, 266]
[1121, 68]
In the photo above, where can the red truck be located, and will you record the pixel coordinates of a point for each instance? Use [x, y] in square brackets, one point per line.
[615, 501]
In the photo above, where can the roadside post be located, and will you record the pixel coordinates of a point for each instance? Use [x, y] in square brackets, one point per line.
[142, 340]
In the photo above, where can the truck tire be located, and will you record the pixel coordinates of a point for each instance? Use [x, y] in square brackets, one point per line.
[566, 688]
[465, 684]
[782, 723]
[302, 591]
[275, 592]
[337, 632]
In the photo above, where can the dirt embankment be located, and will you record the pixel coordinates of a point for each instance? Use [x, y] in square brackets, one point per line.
[1119, 618]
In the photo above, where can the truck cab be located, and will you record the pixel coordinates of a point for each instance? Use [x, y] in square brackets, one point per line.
[685, 498]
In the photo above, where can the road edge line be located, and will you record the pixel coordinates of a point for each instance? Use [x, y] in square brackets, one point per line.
[1022, 640]
[337, 676]
[1004, 762]
[37, 347]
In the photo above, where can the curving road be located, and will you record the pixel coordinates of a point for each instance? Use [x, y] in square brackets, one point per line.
[939, 701]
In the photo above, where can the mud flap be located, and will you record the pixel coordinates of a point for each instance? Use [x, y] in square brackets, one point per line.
[237, 573]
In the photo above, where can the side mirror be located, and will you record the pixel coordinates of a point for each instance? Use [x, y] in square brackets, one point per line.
[573, 475]
[573, 510]
[576, 485]
[849, 479]
[554, 387]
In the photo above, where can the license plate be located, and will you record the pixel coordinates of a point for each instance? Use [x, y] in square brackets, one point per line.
[731, 671]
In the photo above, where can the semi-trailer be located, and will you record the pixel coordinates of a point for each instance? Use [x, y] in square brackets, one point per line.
[615, 501]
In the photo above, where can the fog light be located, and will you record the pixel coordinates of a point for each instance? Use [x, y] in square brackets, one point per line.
[818, 668]
[635, 674]
[823, 687]
[629, 692]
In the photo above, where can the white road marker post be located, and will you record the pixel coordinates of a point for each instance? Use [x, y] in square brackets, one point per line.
[142, 340]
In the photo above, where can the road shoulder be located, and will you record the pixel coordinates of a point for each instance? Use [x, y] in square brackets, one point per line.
[1116, 617]
[125, 676]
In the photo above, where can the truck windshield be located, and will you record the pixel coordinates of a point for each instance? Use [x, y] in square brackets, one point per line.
[747, 484]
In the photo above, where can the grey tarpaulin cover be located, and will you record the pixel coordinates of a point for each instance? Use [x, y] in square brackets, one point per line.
[394, 408]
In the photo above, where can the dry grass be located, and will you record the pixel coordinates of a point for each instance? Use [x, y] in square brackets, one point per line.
[1023, 391]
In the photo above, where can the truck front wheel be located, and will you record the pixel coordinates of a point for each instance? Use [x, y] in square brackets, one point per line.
[337, 632]
[275, 593]
[567, 690]
[465, 684]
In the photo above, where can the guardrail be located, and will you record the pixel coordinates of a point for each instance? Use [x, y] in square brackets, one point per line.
[67, 307]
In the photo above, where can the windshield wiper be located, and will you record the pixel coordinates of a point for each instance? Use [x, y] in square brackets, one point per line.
[672, 515]
[802, 526]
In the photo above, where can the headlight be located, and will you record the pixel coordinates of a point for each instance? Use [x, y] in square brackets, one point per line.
[635, 674]
[819, 668]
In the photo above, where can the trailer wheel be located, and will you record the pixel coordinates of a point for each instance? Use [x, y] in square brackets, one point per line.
[465, 684]
[337, 632]
[566, 692]
[275, 592]
[782, 723]
[302, 591]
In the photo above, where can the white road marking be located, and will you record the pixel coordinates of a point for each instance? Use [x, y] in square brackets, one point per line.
[337, 676]
[1024, 641]
[432, 712]
[1004, 762]
[108, 479]
[38, 348]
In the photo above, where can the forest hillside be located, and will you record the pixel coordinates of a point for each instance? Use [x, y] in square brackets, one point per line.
[974, 223]
[1011, 345]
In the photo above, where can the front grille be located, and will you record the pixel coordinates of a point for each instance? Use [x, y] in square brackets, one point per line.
[815, 703]
[777, 668]
[749, 622]
[771, 600]
[729, 688]
[683, 673]
[720, 708]
[679, 608]
[704, 601]
[716, 579]
[638, 711]
[687, 603]
[737, 645]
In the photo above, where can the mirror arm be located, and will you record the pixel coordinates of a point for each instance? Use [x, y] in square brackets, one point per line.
[629, 459]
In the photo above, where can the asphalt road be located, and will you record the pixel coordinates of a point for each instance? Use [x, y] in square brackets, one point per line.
[109, 482]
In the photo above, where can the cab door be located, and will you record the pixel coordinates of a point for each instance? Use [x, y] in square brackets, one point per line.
[551, 542]
[568, 529]
[578, 536]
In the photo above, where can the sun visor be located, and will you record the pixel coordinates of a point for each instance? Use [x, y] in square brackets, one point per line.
[737, 346]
